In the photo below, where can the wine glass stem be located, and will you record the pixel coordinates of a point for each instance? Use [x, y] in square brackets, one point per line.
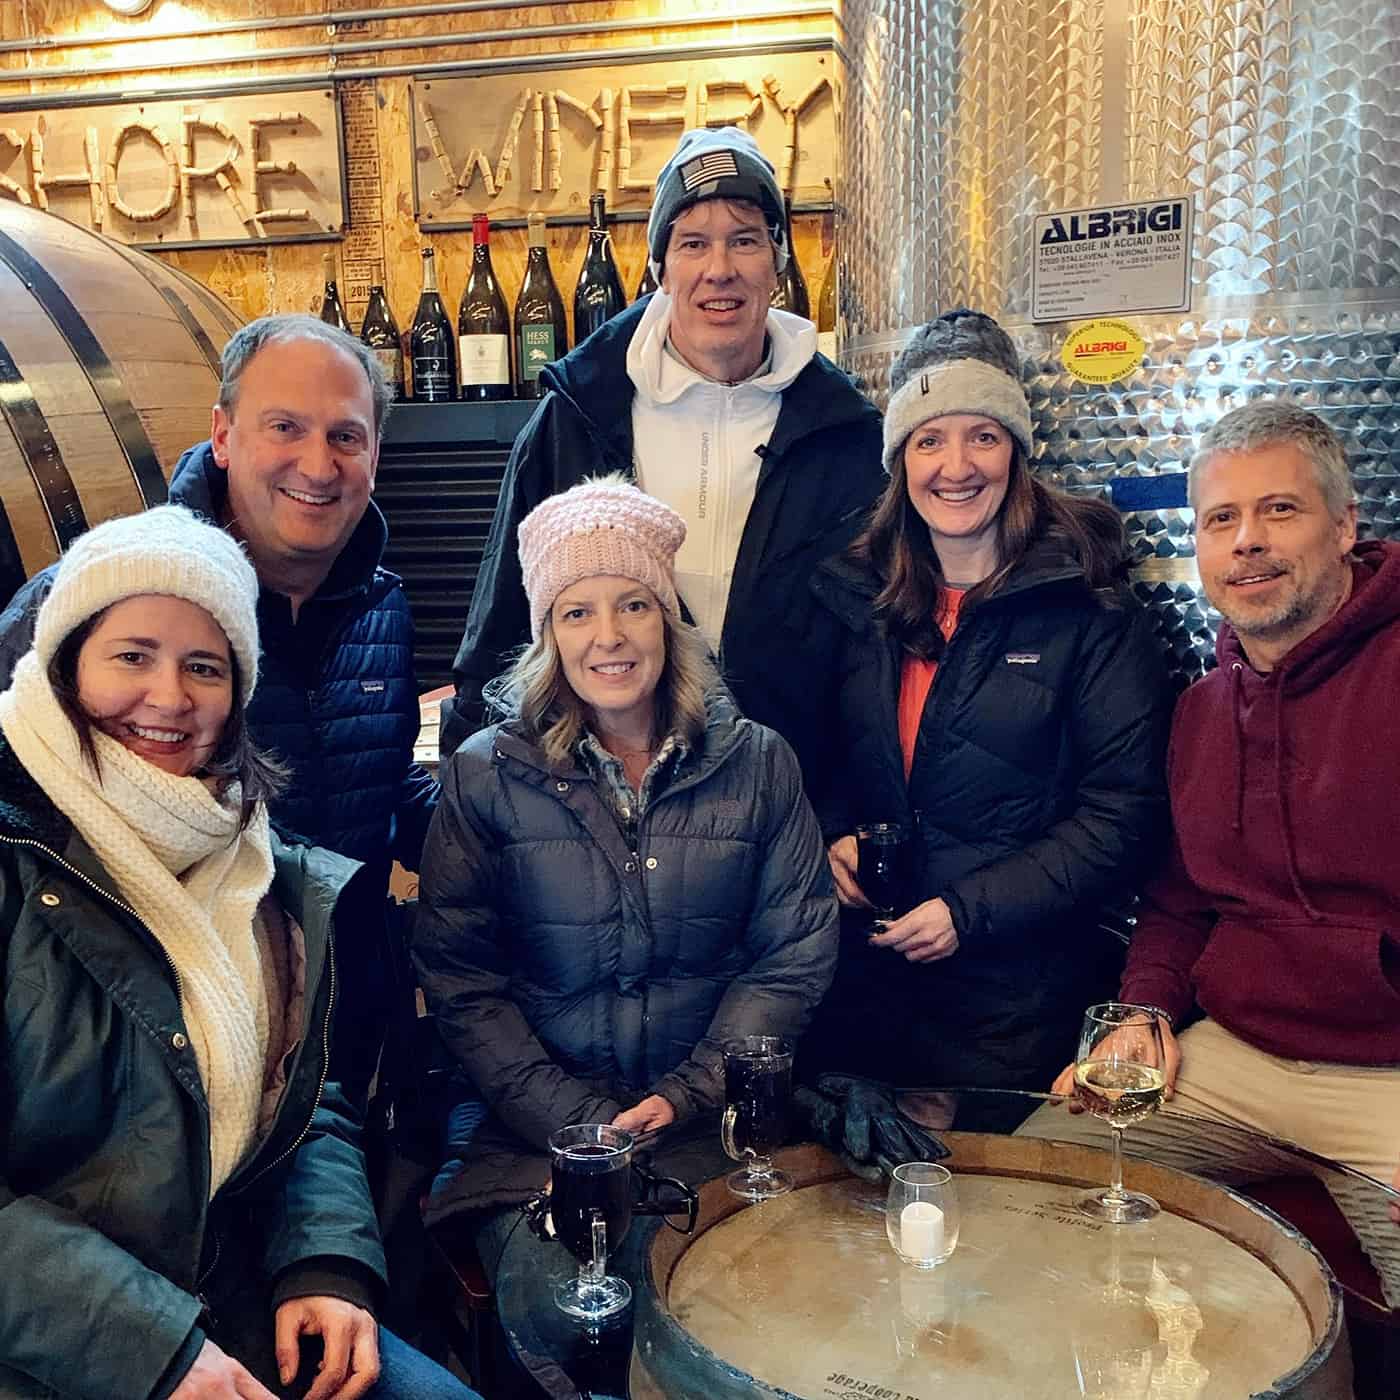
[761, 1167]
[1116, 1190]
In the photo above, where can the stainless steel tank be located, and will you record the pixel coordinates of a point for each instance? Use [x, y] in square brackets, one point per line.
[1279, 118]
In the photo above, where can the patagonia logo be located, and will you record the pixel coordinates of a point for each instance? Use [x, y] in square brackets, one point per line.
[1022, 658]
[371, 687]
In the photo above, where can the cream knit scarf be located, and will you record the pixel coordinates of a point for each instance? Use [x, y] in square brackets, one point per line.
[179, 859]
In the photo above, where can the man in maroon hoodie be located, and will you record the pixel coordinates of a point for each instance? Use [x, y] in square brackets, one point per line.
[1278, 911]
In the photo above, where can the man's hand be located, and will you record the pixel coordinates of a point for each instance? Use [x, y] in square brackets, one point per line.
[652, 1113]
[1171, 1066]
[349, 1337]
[924, 934]
[844, 855]
[215, 1375]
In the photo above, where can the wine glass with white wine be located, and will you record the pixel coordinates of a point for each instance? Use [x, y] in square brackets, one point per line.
[1119, 1076]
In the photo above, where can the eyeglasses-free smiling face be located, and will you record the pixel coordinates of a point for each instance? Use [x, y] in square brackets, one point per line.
[611, 637]
[1271, 553]
[156, 675]
[958, 466]
[300, 451]
[720, 274]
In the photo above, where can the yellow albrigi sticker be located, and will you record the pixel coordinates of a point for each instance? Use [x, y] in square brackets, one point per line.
[1098, 352]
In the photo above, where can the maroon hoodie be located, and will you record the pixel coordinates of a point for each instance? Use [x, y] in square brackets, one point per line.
[1279, 910]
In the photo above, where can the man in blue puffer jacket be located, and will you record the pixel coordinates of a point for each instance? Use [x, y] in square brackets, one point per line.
[288, 470]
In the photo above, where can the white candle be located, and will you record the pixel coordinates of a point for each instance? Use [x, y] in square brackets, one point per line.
[921, 1230]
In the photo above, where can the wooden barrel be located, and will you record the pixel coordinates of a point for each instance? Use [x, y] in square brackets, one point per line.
[803, 1296]
[109, 362]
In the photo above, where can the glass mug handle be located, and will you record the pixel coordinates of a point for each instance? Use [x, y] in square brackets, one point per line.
[726, 1134]
[600, 1245]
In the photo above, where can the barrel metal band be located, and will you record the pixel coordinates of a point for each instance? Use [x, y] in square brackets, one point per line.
[41, 455]
[11, 565]
[218, 309]
[142, 262]
[105, 381]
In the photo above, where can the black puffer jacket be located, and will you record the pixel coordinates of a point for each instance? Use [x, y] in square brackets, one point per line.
[1037, 794]
[572, 976]
[820, 475]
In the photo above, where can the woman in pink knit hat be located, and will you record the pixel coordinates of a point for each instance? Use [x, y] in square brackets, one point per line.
[622, 875]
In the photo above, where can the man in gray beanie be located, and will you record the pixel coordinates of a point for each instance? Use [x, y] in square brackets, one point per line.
[721, 407]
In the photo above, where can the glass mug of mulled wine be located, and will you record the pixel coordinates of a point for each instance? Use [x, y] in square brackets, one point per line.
[882, 867]
[590, 1202]
[757, 1101]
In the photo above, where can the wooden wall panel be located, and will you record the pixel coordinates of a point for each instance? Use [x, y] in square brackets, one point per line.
[288, 277]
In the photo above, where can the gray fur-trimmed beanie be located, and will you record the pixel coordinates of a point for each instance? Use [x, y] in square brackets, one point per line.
[715, 163]
[960, 362]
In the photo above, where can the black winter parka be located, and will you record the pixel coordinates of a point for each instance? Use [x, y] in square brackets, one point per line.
[819, 477]
[1037, 795]
[571, 976]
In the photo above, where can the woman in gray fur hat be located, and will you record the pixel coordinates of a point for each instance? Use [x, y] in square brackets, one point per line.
[1002, 700]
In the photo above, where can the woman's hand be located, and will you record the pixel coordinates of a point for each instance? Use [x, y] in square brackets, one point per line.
[1395, 1206]
[1171, 1067]
[844, 855]
[350, 1345]
[652, 1113]
[924, 934]
[215, 1375]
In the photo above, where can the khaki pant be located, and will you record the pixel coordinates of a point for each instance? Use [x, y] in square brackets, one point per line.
[1348, 1113]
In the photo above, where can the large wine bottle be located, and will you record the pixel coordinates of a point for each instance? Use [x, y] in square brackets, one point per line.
[332, 312]
[381, 333]
[483, 324]
[430, 343]
[541, 333]
[791, 292]
[826, 311]
[648, 284]
[598, 295]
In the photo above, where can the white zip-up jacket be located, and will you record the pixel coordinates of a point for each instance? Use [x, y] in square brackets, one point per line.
[696, 446]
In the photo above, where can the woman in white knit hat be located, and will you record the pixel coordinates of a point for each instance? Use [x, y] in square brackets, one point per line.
[1003, 705]
[621, 875]
[183, 1202]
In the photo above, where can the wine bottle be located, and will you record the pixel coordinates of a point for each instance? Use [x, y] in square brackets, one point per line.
[826, 311]
[430, 343]
[648, 284]
[380, 332]
[541, 333]
[332, 312]
[483, 324]
[791, 292]
[598, 295]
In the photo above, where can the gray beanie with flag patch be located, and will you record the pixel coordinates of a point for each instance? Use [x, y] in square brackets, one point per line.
[715, 163]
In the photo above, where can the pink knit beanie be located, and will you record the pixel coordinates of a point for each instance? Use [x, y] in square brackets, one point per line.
[605, 526]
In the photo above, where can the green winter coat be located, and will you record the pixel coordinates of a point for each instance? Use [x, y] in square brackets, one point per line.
[115, 1264]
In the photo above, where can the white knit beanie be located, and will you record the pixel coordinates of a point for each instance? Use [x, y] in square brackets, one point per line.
[167, 550]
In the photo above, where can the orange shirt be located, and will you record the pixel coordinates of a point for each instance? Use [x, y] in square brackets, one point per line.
[916, 680]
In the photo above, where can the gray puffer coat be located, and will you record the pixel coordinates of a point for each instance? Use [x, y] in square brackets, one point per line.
[572, 975]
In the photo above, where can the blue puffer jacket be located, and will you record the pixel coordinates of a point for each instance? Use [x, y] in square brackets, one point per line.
[336, 696]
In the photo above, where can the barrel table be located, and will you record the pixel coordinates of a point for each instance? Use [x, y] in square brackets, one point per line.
[109, 364]
[803, 1296]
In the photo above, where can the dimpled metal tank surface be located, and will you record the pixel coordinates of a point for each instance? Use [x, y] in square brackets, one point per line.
[1281, 121]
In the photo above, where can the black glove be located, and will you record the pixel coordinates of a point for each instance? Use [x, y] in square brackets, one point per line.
[859, 1120]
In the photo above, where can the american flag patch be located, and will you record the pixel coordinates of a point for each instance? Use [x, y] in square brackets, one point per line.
[713, 165]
